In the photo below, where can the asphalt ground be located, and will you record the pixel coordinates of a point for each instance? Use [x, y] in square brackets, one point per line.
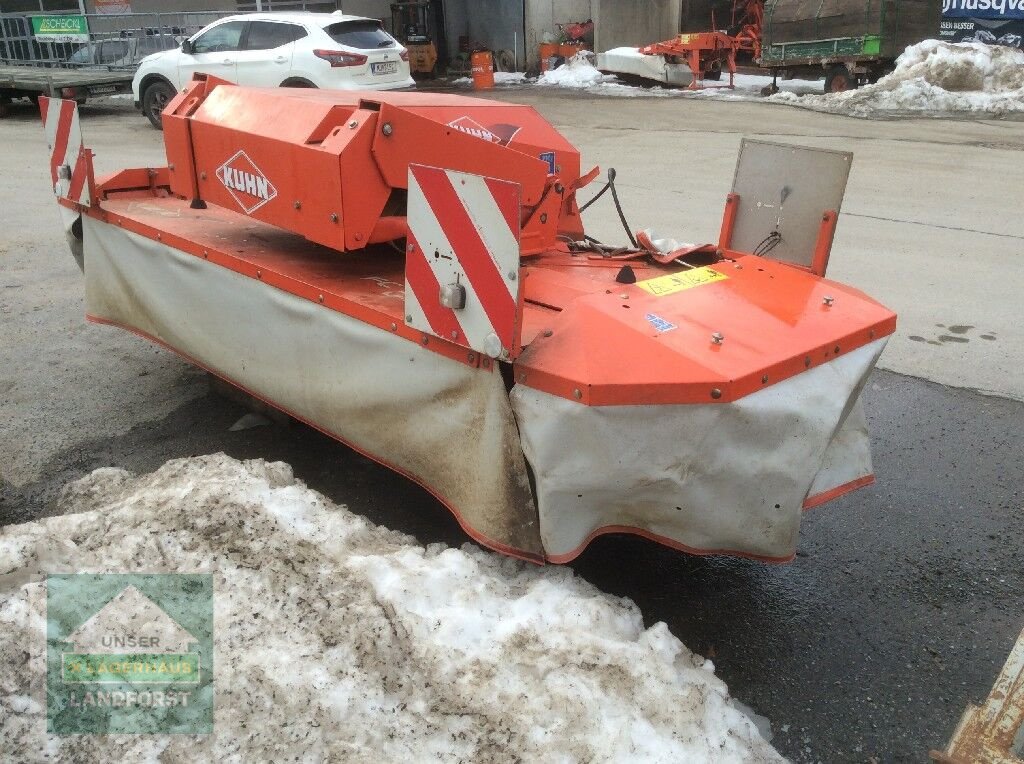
[905, 597]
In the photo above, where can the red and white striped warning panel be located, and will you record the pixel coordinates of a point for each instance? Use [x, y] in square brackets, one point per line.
[69, 162]
[462, 260]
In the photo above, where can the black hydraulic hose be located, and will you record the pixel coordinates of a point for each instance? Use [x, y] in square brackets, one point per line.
[597, 196]
[618, 206]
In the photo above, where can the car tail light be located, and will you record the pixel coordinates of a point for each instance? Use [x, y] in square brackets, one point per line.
[403, 54]
[68, 93]
[340, 57]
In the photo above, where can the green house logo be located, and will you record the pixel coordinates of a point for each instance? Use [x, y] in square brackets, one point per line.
[140, 662]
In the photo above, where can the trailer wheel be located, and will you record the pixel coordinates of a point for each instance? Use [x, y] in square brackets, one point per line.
[838, 80]
[155, 99]
[714, 73]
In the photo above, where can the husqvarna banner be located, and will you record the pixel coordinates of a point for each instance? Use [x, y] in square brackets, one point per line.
[983, 9]
[995, 22]
[990, 31]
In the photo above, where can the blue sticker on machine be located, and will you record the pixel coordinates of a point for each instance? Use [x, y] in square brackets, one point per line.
[659, 323]
[549, 157]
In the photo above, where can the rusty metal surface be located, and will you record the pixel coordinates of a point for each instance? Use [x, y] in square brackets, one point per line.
[993, 733]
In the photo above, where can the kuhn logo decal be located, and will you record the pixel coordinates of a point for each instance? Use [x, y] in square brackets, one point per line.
[246, 182]
[500, 134]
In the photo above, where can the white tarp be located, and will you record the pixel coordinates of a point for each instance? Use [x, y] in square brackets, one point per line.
[630, 61]
[729, 477]
[446, 424]
[708, 477]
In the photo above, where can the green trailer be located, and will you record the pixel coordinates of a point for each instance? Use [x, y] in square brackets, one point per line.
[850, 42]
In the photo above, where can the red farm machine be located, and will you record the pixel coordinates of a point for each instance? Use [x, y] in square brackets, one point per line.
[847, 43]
[694, 59]
[410, 274]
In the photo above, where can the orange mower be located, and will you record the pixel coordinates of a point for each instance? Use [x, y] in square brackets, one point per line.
[410, 273]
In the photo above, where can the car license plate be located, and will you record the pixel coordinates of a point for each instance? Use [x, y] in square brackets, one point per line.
[101, 89]
[385, 67]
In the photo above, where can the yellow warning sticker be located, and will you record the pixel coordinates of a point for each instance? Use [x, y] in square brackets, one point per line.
[679, 282]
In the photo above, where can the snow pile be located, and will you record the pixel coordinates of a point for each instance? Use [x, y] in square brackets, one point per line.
[749, 87]
[577, 72]
[627, 52]
[935, 76]
[395, 652]
[500, 78]
[509, 78]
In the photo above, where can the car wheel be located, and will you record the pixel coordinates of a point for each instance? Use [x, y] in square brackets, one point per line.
[155, 99]
[298, 84]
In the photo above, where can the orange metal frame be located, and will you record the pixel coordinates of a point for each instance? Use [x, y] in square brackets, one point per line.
[699, 50]
[584, 335]
[576, 342]
[338, 162]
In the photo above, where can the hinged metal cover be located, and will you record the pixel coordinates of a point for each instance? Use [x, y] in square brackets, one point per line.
[786, 189]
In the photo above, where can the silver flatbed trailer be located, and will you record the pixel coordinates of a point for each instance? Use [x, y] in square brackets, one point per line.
[75, 84]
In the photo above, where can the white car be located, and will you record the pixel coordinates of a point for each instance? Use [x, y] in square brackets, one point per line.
[303, 50]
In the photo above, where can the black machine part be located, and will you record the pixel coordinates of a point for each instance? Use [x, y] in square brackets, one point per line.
[411, 22]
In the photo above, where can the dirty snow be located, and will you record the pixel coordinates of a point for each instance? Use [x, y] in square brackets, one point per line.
[397, 652]
[932, 77]
[935, 77]
[579, 74]
[500, 78]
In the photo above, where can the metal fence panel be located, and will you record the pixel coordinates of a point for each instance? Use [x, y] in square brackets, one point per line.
[134, 35]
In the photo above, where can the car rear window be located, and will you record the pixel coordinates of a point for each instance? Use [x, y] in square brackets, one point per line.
[266, 35]
[365, 35]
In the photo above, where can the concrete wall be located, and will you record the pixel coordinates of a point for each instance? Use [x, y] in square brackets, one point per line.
[374, 9]
[634, 23]
[544, 16]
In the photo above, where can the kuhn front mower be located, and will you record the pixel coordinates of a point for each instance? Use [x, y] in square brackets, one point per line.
[409, 273]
